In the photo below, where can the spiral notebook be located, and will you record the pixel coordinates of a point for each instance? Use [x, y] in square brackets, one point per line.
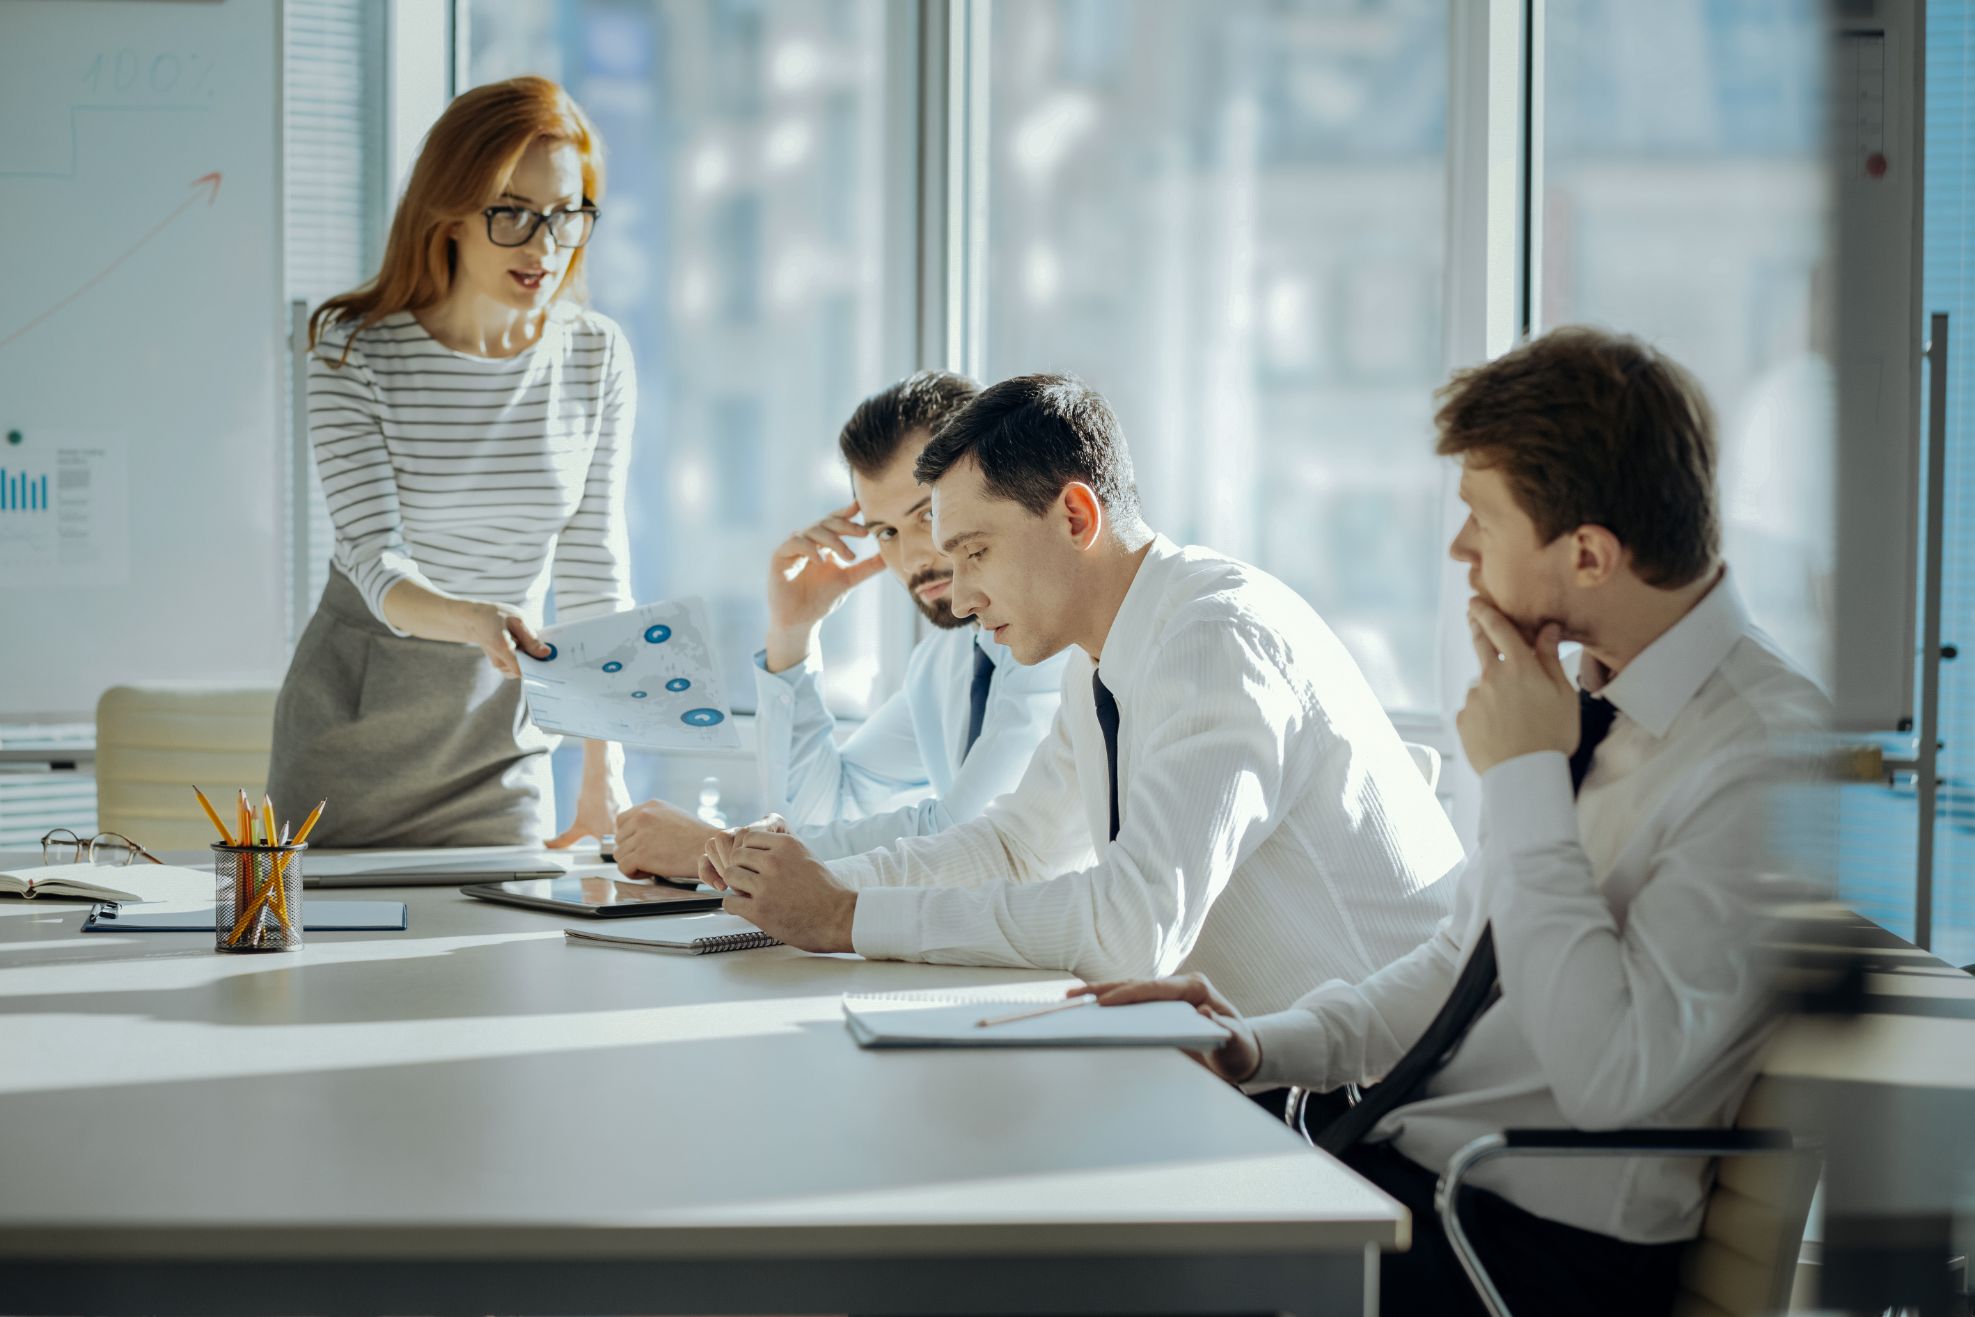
[689, 935]
[954, 1019]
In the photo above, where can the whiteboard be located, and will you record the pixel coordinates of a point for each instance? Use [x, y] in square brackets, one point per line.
[142, 359]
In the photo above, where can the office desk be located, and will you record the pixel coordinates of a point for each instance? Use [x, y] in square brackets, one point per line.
[1889, 1086]
[474, 1117]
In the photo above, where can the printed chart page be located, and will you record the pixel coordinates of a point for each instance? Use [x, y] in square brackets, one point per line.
[647, 677]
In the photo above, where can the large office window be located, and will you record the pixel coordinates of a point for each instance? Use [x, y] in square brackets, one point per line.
[742, 250]
[1230, 219]
[1685, 200]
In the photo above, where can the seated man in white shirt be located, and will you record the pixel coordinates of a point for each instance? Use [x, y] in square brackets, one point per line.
[958, 732]
[1221, 789]
[1600, 969]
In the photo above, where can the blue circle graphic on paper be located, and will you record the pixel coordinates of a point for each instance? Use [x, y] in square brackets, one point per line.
[613, 666]
[546, 657]
[658, 633]
[702, 717]
[637, 695]
[678, 684]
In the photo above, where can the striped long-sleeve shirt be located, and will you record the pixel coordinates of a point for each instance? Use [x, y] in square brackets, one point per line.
[476, 477]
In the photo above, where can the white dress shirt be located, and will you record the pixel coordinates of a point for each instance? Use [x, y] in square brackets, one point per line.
[1270, 817]
[1626, 928]
[907, 771]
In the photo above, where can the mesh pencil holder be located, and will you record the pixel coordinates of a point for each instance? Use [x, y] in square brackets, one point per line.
[257, 898]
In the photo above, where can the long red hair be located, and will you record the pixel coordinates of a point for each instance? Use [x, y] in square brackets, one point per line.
[468, 159]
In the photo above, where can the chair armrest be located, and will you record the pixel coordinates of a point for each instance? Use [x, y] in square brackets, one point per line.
[1649, 1142]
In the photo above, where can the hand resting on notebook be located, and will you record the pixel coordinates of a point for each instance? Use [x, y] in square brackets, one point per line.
[1235, 1060]
[773, 881]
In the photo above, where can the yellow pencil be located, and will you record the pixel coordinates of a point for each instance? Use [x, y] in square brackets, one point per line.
[246, 915]
[308, 824]
[243, 883]
[213, 814]
[280, 898]
[279, 888]
[280, 869]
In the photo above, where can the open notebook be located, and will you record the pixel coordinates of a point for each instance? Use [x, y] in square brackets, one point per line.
[927, 1019]
[122, 884]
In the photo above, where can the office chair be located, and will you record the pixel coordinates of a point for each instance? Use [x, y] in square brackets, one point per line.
[1743, 1262]
[155, 742]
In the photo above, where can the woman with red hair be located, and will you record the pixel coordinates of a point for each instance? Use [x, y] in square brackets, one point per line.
[471, 422]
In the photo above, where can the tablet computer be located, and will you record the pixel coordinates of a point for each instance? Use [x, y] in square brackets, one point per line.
[599, 896]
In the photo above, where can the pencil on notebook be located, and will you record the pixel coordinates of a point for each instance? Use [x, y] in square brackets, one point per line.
[1069, 1005]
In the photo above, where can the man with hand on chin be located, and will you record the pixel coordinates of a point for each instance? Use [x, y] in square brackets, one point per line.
[966, 719]
[1221, 789]
[1600, 969]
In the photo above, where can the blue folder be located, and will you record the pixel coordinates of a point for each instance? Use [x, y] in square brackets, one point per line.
[317, 917]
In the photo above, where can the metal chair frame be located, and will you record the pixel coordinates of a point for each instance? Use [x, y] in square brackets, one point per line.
[1577, 1143]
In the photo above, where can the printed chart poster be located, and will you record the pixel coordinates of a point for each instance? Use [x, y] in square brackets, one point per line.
[649, 677]
[63, 511]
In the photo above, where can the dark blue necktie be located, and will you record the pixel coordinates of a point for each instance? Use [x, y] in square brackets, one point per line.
[1107, 718]
[1474, 991]
[977, 697]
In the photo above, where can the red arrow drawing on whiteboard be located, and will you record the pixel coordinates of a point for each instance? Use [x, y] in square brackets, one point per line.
[104, 273]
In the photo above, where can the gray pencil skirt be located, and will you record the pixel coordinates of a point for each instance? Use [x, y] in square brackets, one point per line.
[412, 742]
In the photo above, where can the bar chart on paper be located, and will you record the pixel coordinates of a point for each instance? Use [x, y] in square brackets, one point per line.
[62, 508]
[21, 491]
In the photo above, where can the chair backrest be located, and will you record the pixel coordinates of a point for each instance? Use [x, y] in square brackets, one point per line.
[1745, 1258]
[1427, 760]
[155, 743]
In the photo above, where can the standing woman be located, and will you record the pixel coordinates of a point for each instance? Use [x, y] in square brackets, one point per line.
[472, 425]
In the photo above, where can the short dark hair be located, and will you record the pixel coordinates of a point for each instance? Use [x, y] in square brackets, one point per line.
[921, 401]
[1595, 428]
[1034, 434]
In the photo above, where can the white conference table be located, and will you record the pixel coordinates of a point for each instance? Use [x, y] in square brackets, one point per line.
[1885, 1075]
[471, 1116]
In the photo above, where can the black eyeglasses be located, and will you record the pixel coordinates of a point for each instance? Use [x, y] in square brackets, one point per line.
[514, 226]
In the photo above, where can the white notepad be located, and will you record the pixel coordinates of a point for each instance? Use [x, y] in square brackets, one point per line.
[692, 935]
[911, 1019]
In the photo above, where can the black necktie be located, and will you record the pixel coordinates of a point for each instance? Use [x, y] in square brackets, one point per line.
[1594, 721]
[1475, 990]
[1107, 718]
[977, 697]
